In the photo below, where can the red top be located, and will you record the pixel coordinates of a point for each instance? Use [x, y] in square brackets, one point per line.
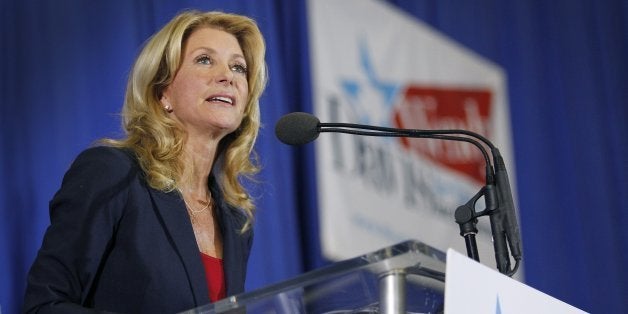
[215, 277]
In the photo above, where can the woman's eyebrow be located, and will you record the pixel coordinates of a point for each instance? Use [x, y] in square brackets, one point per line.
[213, 51]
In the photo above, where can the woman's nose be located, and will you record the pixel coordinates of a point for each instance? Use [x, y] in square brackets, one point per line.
[224, 74]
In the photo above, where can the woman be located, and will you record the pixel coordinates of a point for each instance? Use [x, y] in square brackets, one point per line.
[159, 222]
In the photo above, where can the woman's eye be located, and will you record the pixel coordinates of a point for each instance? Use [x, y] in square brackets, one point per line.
[204, 60]
[239, 68]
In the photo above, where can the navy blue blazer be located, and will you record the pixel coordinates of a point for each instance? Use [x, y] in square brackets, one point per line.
[115, 244]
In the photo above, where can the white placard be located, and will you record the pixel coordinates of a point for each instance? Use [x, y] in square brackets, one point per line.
[471, 287]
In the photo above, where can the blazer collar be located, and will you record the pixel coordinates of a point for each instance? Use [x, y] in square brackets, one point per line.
[176, 222]
[235, 251]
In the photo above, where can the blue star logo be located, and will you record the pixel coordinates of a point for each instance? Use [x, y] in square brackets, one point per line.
[498, 308]
[370, 88]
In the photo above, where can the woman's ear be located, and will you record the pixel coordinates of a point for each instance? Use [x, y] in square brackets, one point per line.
[166, 104]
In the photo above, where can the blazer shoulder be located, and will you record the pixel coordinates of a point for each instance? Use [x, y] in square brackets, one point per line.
[107, 165]
[108, 154]
[115, 158]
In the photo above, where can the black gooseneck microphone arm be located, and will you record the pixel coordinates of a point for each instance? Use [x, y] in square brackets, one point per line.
[465, 215]
[378, 131]
[300, 128]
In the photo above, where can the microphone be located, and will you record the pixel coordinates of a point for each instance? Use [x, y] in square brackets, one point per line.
[300, 128]
[297, 128]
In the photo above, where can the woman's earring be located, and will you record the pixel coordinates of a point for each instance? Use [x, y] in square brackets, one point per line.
[168, 108]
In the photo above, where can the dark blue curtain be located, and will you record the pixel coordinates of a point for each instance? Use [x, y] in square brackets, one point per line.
[63, 71]
[567, 68]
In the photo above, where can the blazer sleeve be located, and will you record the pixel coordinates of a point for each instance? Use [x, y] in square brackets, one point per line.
[83, 218]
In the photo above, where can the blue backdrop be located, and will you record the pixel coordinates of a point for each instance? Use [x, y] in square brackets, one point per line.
[63, 71]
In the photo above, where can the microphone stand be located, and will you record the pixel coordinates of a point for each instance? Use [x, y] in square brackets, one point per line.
[299, 128]
[497, 197]
[467, 218]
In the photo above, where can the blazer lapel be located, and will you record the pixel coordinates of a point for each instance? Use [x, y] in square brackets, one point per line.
[235, 244]
[174, 218]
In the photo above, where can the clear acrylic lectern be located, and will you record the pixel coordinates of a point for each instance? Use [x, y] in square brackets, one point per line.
[408, 277]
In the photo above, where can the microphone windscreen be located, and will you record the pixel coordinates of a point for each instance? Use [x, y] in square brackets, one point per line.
[297, 128]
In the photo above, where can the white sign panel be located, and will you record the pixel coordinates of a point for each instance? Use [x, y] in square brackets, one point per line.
[471, 287]
[373, 64]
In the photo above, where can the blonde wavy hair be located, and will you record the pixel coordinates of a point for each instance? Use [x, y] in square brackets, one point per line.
[157, 140]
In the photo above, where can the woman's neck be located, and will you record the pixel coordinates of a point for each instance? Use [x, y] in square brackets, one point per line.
[199, 159]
